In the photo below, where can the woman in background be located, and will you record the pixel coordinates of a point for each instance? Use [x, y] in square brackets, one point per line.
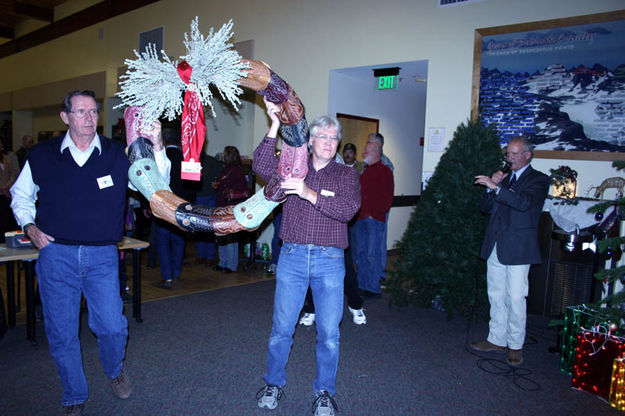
[231, 188]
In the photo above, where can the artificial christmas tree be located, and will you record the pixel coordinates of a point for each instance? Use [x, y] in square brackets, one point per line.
[610, 248]
[438, 259]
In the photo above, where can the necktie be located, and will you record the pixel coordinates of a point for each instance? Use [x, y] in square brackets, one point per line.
[512, 181]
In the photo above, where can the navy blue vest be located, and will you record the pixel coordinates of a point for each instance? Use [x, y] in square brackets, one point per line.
[72, 207]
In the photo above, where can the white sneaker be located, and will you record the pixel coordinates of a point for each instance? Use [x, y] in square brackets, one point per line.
[358, 315]
[307, 319]
[324, 405]
[268, 396]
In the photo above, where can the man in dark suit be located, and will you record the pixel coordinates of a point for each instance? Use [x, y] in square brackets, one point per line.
[510, 246]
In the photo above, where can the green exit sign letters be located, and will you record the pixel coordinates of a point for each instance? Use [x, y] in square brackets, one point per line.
[386, 82]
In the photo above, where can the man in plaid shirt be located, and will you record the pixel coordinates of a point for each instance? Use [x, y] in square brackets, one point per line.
[314, 234]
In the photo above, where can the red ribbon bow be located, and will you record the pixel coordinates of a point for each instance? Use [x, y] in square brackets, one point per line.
[193, 126]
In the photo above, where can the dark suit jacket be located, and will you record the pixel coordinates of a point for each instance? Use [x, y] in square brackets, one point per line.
[514, 216]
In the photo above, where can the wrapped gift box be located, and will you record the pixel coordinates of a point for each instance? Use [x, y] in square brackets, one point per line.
[594, 359]
[617, 386]
[576, 318]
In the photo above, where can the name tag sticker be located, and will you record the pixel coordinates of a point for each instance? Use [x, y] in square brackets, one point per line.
[105, 182]
[325, 192]
[191, 170]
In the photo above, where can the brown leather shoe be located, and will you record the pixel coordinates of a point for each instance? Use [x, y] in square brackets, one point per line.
[515, 357]
[121, 385]
[487, 346]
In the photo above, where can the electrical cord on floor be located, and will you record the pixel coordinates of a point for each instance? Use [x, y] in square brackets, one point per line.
[520, 376]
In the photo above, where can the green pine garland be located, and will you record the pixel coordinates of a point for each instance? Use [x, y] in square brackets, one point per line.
[439, 251]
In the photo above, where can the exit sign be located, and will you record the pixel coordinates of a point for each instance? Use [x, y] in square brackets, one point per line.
[386, 82]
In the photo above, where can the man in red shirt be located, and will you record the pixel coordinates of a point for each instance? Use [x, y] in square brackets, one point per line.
[377, 185]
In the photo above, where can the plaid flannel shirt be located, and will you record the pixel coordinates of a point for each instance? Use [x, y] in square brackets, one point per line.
[338, 200]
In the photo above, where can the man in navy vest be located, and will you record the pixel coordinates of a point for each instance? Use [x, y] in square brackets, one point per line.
[80, 180]
[510, 246]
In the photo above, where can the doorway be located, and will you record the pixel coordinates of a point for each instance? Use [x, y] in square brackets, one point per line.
[400, 114]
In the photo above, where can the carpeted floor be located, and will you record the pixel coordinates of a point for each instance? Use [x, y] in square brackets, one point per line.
[204, 354]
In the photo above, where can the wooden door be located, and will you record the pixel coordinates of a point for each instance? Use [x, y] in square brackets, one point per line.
[355, 131]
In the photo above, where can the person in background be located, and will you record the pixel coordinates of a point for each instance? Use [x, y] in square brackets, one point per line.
[349, 157]
[56, 134]
[70, 200]
[378, 138]
[510, 246]
[9, 170]
[377, 185]
[22, 153]
[350, 284]
[170, 240]
[231, 188]
[207, 197]
[314, 235]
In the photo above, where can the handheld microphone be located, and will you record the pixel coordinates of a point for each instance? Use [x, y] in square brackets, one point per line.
[506, 167]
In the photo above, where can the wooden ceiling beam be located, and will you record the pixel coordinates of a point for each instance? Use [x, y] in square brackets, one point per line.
[95, 14]
[7, 32]
[32, 11]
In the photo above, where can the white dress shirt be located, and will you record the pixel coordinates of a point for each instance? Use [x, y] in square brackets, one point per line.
[24, 190]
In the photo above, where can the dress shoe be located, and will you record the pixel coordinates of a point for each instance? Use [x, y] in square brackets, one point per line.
[165, 284]
[226, 270]
[487, 346]
[126, 298]
[218, 268]
[515, 357]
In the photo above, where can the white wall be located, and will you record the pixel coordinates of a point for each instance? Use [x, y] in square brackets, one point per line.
[402, 119]
[230, 128]
[22, 125]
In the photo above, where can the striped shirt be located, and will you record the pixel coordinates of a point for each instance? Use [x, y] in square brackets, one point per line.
[338, 199]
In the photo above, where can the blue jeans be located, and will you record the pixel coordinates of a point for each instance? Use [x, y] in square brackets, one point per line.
[383, 246]
[205, 243]
[65, 272]
[229, 252]
[323, 268]
[170, 248]
[369, 254]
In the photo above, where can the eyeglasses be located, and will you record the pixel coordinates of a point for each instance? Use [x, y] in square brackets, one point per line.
[514, 155]
[324, 137]
[81, 113]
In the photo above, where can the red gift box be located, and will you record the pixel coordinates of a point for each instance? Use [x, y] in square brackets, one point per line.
[594, 357]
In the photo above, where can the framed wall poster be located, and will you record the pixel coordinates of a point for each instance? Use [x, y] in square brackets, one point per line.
[559, 82]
